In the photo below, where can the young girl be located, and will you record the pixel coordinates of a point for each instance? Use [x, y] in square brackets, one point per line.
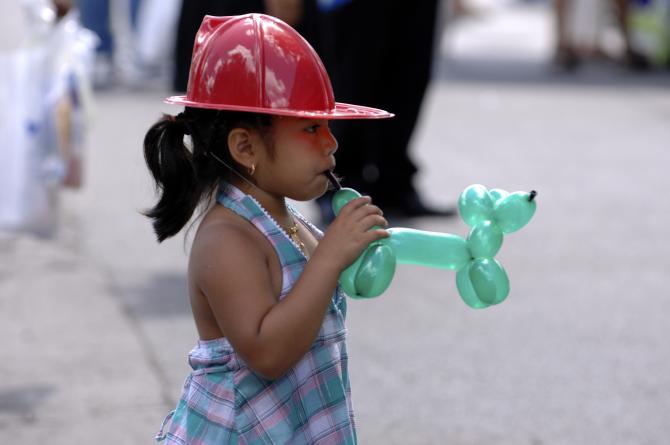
[270, 365]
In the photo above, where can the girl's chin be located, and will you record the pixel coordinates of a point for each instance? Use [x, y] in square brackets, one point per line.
[312, 192]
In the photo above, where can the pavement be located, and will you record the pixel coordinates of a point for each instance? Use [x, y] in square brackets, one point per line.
[97, 326]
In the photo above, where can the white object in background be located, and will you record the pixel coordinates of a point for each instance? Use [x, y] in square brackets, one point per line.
[27, 195]
[14, 27]
[35, 77]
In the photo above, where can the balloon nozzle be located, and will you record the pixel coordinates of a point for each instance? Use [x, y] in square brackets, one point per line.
[333, 180]
[532, 196]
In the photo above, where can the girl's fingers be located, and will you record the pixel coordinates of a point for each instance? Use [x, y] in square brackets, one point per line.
[375, 235]
[365, 211]
[372, 220]
[355, 204]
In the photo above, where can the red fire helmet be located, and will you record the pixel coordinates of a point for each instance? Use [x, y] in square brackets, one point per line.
[257, 63]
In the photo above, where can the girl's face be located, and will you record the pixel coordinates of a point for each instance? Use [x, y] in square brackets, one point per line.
[303, 151]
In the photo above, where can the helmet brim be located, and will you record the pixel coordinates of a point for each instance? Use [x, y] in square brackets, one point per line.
[341, 110]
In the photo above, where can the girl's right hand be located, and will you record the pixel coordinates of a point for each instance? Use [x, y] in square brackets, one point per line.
[350, 233]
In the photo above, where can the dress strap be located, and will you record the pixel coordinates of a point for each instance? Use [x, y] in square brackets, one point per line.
[231, 197]
[291, 257]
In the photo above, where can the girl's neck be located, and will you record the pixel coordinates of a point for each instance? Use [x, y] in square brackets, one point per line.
[274, 205]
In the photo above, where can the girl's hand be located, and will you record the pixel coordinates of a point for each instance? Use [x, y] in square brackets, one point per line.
[350, 233]
[290, 11]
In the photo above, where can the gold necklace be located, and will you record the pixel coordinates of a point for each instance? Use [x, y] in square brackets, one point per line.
[293, 233]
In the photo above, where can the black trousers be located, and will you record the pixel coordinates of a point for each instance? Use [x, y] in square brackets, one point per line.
[378, 53]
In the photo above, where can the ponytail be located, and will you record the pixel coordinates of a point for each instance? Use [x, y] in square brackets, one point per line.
[171, 166]
[185, 175]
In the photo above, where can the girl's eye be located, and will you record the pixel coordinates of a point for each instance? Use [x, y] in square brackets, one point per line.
[312, 128]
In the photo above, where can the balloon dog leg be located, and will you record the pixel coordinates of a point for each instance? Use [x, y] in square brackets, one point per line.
[481, 282]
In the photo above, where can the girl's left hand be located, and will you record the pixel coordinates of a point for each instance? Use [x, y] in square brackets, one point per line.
[289, 11]
[352, 231]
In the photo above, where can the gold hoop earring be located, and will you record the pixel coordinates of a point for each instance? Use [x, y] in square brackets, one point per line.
[252, 170]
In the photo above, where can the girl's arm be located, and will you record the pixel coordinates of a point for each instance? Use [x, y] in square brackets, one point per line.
[232, 269]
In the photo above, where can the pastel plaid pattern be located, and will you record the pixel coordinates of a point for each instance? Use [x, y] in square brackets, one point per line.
[224, 402]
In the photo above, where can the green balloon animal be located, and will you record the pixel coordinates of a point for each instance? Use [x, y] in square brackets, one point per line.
[480, 279]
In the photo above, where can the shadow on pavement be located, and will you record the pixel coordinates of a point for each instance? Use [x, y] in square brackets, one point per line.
[23, 400]
[161, 296]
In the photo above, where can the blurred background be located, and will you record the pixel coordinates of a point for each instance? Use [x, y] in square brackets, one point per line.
[571, 100]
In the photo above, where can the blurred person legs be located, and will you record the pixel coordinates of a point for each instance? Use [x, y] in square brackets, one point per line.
[632, 58]
[647, 32]
[115, 23]
[578, 26]
[122, 18]
[379, 53]
[95, 16]
[156, 27]
[566, 55]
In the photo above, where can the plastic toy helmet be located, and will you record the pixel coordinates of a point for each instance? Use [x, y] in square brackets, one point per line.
[257, 63]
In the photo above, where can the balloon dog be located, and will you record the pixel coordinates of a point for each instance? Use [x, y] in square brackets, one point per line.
[480, 279]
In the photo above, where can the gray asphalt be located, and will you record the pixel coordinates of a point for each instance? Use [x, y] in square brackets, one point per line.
[96, 327]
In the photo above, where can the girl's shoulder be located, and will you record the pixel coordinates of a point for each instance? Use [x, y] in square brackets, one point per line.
[226, 244]
[223, 228]
[223, 237]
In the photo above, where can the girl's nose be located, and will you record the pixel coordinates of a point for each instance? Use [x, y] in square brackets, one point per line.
[329, 141]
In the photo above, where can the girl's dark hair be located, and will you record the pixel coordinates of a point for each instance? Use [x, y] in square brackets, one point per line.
[187, 175]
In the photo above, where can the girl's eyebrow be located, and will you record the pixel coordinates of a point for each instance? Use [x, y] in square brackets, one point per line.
[310, 123]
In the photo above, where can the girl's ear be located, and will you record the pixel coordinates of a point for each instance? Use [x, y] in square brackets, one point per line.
[243, 146]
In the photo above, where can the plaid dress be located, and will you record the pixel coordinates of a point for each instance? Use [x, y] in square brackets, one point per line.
[223, 401]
